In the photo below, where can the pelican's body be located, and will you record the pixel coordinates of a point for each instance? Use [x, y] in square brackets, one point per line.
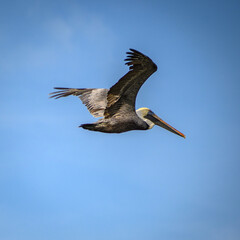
[116, 106]
[118, 124]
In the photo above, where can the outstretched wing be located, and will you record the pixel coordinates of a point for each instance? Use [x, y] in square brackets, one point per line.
[121, 97]
[95, 99]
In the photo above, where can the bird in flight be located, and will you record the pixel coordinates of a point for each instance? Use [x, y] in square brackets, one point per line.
[116, 105]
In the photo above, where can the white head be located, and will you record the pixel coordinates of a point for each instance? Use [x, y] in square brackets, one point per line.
[152, 119]
[142, 113]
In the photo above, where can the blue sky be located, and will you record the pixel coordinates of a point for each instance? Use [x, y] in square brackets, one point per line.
[61, 182]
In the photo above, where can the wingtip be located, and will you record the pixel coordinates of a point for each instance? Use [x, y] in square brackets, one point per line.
[134, 51]
[60, 88]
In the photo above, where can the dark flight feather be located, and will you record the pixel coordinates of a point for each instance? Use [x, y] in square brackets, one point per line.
[122, 96]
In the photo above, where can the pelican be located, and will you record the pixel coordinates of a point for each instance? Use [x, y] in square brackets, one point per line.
[116, 105]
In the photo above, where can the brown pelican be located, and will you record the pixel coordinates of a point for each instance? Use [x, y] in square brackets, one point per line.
[116, 106]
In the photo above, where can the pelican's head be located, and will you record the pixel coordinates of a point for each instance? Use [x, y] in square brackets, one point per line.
[152, 119]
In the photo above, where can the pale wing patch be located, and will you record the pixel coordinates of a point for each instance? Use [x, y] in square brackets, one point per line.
[95, 99]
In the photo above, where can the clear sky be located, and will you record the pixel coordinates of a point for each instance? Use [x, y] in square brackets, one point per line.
[58, 181]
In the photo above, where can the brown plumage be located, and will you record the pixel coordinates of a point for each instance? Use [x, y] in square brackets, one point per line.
[123, 94]
[117, 105]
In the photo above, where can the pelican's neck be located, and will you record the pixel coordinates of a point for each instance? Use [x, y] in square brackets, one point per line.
[142, 112]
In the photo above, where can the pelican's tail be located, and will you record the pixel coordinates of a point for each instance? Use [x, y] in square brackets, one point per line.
[89, 126]
[97, 126]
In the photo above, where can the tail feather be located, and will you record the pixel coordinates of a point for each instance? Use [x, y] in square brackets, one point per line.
[88, 126]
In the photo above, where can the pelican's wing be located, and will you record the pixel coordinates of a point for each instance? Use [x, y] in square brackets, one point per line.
[95, 99]
[122, 96]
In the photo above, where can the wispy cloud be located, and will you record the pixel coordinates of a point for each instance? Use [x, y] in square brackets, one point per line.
[59, 35]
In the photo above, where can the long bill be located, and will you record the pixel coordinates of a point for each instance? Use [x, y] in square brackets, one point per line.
[158, 121]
